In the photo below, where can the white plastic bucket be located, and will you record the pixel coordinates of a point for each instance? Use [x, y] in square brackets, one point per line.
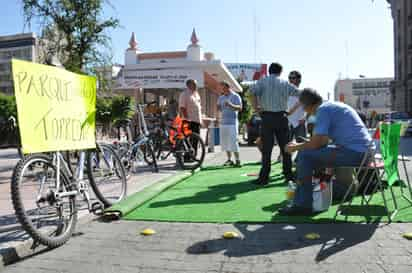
[322, 195]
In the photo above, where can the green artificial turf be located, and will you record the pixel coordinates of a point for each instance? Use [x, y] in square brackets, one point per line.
[226, 195]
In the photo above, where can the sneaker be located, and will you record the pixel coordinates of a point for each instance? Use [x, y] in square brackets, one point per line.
[228, 163]
[238, 164]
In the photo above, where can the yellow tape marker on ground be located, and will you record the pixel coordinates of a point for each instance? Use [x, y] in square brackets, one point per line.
[312, 236]
[230, 235]
[147, 232]
[407, 235]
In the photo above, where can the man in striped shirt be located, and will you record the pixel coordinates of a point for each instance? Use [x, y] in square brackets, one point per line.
[273, 94]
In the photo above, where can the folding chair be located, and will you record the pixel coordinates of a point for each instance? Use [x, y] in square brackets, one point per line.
[374, 168]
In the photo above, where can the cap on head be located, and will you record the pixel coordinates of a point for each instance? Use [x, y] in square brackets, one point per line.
[225, 83]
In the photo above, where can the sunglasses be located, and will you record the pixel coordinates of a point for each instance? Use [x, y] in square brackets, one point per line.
[292, 78]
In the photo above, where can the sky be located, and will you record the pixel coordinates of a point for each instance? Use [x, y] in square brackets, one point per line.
[323, 39]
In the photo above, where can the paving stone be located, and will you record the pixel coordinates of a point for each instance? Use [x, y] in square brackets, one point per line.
[117, 247]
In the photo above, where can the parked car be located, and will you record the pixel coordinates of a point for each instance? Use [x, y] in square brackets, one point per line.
[253, 128]
[400, 116]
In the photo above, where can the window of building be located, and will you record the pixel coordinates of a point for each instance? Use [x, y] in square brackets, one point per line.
[7, 90]
[410, 66]
[410, 38]
[22, 54]
[410, 10]
[4, 67]
[5, 55]
[5, 78]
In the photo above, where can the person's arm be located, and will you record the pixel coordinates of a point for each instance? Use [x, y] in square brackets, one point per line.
[182, 106]
[293, 90]
[183, 112]
[294, 108]
[236, 105]
[315, 142]
[256, 91]
[219, 102]
[320, 135]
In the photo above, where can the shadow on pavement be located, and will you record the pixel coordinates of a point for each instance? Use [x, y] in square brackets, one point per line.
[10, 156]
[10, 229]
[272, 238]
[217, 194]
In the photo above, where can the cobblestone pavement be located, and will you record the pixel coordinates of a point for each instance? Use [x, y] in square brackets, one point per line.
[14, 242]
[186, 247]
[177, 247]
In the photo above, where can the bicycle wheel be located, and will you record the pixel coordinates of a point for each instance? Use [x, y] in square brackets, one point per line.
[122, 151]
[162, 148]
[157, 144]
[48, 219]
[149, 155]
[106, 174]
[190, 152]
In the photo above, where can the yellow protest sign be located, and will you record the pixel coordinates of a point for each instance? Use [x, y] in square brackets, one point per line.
[56, 108]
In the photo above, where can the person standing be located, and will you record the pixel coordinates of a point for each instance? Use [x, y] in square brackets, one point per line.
[296, 115]
[190, 106]
[273, 94]
[229, 104]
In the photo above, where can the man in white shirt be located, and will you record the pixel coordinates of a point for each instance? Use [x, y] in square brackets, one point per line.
[296, 115]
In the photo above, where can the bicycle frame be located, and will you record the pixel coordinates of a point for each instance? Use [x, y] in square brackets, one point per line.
[60, 162]
[77, 178]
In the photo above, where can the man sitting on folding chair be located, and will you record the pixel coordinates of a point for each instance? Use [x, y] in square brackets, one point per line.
[340, 138]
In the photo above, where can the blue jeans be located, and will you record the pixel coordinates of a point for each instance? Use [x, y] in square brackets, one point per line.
[326, 157]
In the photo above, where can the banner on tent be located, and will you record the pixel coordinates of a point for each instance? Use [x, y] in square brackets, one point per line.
[56, 108]
[158, 79]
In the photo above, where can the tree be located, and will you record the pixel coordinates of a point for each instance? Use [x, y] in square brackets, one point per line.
[79, 23]
[7, 107]
[122, 108]
[246, 113]
[110, 110]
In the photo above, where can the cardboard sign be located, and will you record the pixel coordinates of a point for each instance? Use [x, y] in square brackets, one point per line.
[56, 108]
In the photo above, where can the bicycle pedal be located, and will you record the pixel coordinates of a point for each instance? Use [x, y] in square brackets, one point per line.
[97, 208]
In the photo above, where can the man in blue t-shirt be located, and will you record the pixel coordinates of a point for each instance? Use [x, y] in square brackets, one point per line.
[339, 138]
[229, 104]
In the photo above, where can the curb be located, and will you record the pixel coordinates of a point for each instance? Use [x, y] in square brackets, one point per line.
[17, 251]
[138, 198]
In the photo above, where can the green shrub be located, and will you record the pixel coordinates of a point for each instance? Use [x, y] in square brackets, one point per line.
[111, 109]
[122, 108]
[103, 110]
[8, 107]
[246, 113]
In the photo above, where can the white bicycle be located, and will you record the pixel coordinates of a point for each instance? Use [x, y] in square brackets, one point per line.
[44, 191]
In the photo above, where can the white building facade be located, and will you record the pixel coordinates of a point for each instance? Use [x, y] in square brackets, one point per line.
[402, 28]
[20, 46]
[365, 94]
[162, 76]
